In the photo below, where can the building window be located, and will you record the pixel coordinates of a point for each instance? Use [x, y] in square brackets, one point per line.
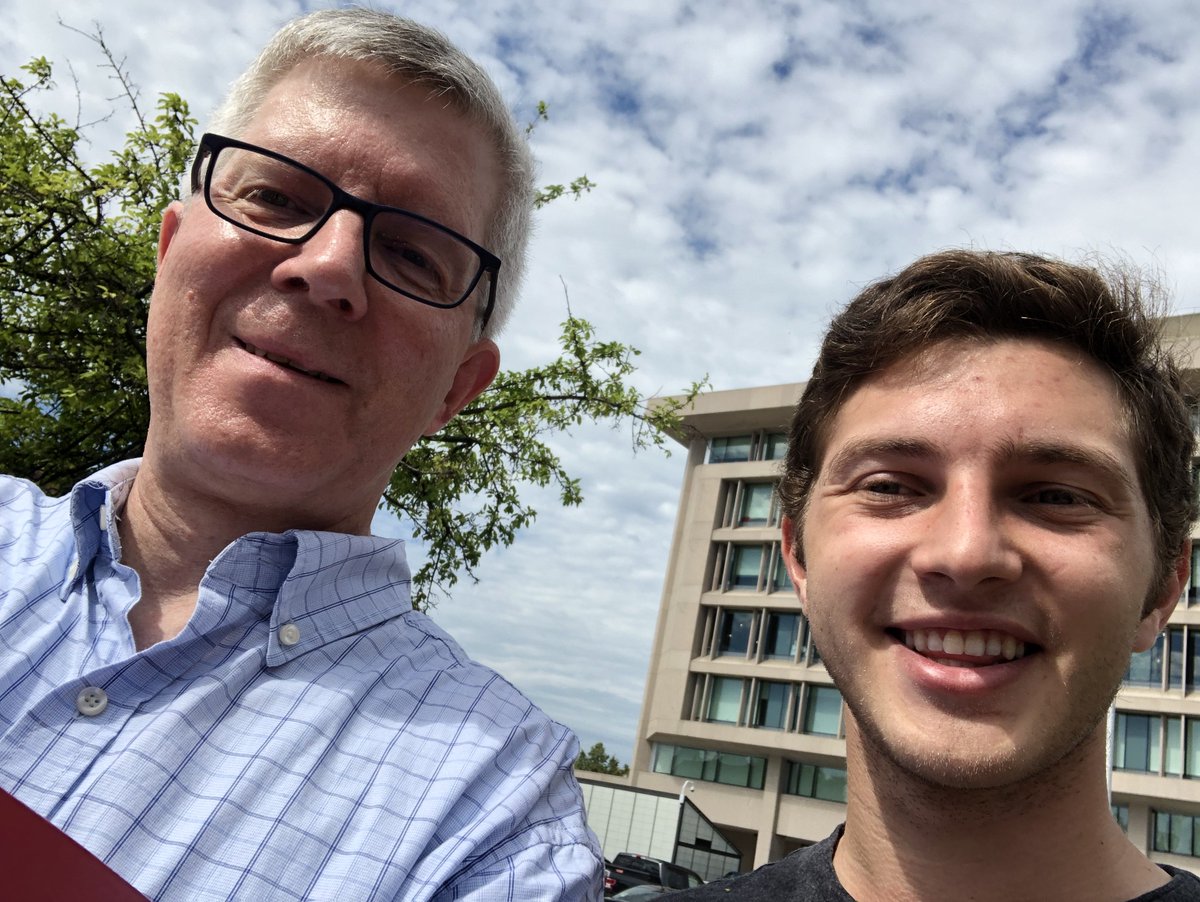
[1193, 593]
[730, 449]
[1176, 834]
[751, 567]
[740, 770]
[816, 782]
[757, 634]
[757, 504]
[725, 699]
[737, 630]
[1146, 667]
[1193, 677]
[1170, 663]
[748, 504]
[710, 766]
[1121, 814]
[783, 637]
[1191, 752]
[745, 566]
[823, 711]
[1175, 658]
[770, 705]
[755, 446]
[1173, 752]
[1137, 743]
[781, 580]
[1158, 744]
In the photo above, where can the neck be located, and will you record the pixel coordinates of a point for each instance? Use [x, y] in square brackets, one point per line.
[1050, 836]
[170, 550]
[171, 530]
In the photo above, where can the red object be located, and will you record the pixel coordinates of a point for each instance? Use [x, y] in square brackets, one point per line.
[40, 863]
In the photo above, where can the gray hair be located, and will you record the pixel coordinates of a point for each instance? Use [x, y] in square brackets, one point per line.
[419, 55]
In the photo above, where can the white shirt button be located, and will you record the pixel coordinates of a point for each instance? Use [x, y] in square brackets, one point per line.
[104, 518]
[289, 634]
[91, 701]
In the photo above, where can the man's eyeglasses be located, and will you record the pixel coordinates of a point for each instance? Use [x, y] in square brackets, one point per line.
[270, 195]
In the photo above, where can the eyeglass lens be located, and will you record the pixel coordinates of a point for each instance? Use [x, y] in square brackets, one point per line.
[275, 198]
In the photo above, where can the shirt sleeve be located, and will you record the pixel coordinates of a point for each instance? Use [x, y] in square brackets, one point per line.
[532, 872]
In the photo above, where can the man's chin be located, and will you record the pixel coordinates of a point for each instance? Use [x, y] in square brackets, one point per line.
[970, 761]
[248, 470]
[968, 770]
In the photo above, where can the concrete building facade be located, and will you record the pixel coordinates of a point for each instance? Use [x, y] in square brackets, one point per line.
[738, 701]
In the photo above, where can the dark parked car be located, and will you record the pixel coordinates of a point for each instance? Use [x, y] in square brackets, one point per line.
[635, 870]
[638, 893]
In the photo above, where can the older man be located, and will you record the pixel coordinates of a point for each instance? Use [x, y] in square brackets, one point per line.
[987, 501]
[211, 675]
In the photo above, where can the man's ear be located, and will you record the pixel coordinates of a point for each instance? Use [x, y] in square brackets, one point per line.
[478, 368]
[796, 570]
[1157, 616]
[171, 218]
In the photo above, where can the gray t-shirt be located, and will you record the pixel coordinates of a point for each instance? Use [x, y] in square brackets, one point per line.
[808, 874]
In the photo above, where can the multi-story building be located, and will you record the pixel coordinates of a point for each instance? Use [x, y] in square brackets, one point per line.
[737, 699]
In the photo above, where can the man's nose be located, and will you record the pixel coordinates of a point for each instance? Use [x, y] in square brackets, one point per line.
[966, 539]
[330, 266]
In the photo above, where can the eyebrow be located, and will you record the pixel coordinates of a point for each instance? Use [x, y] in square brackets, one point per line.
[881, 447]
[1006, 452]
[1041, 452]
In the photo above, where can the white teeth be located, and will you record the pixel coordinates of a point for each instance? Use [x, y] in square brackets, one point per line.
[970, 644]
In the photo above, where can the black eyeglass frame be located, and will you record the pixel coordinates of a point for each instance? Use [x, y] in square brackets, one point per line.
[212, 144]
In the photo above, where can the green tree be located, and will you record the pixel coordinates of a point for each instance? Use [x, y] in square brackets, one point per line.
[77, 255]
[599, 761]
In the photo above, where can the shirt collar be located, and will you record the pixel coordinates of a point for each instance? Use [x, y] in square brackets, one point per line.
[338, 585]
[318, 587]
[96, 502]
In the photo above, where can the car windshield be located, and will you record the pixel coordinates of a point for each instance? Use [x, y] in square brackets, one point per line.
[637, 865]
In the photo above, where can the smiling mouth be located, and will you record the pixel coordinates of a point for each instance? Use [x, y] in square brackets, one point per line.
[286, 363]
[965, 648]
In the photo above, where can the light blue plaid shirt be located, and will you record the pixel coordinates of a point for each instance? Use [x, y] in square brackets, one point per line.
[307, 736]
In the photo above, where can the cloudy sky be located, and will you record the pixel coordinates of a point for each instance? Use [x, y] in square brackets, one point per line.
[756, 164]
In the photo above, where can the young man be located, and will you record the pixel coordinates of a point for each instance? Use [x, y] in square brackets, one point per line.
[987, 503]
[210, 673]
